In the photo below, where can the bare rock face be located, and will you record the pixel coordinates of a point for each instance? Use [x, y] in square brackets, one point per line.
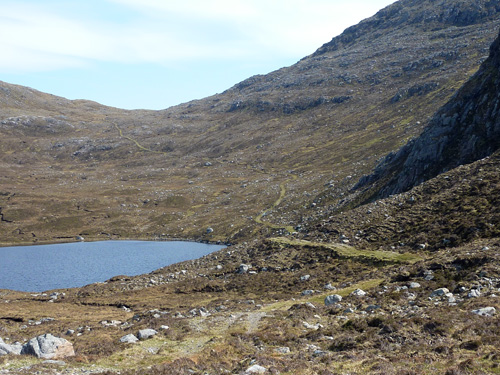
[9, 349]
[48, 347]
[464, 130]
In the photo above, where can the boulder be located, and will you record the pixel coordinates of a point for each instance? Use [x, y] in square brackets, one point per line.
[414, 285]
[474, 293]
[256, 369]
[358, 293]
[129, 339]
[48, 346]
[332, 299]
[145, 334]
[485, 311]
[243, 268]
[440, 292]
[9, 349]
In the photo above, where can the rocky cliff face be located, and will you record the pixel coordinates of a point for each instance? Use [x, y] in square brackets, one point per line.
[466, 129]
[424, 15]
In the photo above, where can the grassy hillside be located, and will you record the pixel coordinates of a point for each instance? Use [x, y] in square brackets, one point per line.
[312, 282]
[310, 130]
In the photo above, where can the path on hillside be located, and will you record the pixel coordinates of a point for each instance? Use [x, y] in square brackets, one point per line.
[141, 147]
[283, 192]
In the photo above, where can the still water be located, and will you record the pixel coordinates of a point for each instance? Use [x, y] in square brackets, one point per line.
[44, 267]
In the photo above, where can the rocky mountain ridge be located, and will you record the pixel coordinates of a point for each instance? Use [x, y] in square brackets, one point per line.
[406, 285]
[466, 129]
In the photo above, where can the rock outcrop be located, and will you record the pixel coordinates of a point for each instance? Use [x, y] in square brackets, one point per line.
[427, 14]
[466, 129]
[9, 349]
[48, 347]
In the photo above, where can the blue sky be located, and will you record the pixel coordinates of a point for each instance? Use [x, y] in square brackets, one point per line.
[153, 54]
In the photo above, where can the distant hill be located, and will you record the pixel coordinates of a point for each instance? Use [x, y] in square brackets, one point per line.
[250, 161]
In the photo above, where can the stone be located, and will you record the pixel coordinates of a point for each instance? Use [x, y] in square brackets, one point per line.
[48, 346]
[53, 362]
[474, 293]
[439, 292]
[310, 305]
[329, 287]
[282, 350]
[305, 278]
[129, 339]
[145, 334]
[308, 292]
[372, 308]
[358, 293]
[414, 285]
[451, 298]
[9, 349]
[243, 268]
[485, 311]
[314, 327]
[256, 369]
[332, 299]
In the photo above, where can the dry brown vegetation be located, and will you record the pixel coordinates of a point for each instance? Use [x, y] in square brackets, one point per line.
[268, 165]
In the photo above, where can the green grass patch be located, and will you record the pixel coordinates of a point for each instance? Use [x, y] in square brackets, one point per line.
[346, 251]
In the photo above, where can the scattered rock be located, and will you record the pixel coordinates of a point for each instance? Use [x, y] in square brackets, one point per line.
[358, 293]
[485, 311]
[9, 349]
[428, 275]
[243, 268]
[48, 347]
[310, 305]
[451, 298]
[129, 339]
[332, 299]
[53, 362]
[282, 350]
[308, 292]
[145, 334]
[474, 293]
[305, 278]
[329, 287]
[256, 369]
[414, 285]
[439, 292]
[314, 327]
[372, 308]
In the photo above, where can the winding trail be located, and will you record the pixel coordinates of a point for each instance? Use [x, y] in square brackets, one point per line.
[141, 147]
[283, 192]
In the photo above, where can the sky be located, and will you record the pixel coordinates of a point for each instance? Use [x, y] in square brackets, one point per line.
[153, 54]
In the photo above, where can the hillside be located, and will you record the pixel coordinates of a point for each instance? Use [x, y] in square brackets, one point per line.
[363, 240]
[293, 136]
[466, 129]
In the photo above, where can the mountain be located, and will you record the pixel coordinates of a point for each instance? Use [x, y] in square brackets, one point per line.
[466, 129]
[299, 136]
[359, 189]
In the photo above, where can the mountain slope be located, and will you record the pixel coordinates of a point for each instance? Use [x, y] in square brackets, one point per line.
[466, 129]
[250, 160]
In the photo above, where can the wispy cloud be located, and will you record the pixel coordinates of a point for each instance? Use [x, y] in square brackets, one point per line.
[43, 36]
